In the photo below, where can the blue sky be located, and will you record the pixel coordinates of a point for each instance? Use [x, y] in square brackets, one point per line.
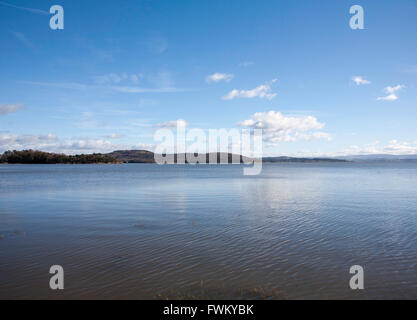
[122, 69]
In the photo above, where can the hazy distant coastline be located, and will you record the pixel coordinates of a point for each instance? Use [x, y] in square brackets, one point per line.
[144, 156]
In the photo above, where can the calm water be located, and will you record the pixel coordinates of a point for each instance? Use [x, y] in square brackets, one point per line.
[137, 231]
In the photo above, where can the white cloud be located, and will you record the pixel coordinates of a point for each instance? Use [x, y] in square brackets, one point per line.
[280, 128]
[263, 91]
[390, 97]
[9, 108]
[14, 142]
[360, 80]
[88, 144]
[216, 77]
[392, 93]
[180, 123]
[143, 146]
[397, 147]
[314, 135]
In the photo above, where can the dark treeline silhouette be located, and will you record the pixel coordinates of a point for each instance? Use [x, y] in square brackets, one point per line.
[39, 157]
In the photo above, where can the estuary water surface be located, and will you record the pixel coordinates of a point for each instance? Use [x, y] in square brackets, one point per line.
[143, 231]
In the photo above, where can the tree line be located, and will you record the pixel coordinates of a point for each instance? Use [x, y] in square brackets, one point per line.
[39, 157]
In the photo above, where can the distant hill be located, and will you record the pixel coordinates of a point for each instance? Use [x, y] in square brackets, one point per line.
[380, 157]
[133, 156]
[143, 156]
[293, 159]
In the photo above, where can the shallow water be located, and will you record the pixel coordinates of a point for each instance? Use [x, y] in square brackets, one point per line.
[142, 231]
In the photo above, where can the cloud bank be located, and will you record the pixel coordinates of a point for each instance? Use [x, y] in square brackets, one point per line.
[51, 143]
[280, 128]
[393, 147]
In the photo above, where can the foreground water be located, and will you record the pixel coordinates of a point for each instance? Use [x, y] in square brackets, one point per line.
[149, 231]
